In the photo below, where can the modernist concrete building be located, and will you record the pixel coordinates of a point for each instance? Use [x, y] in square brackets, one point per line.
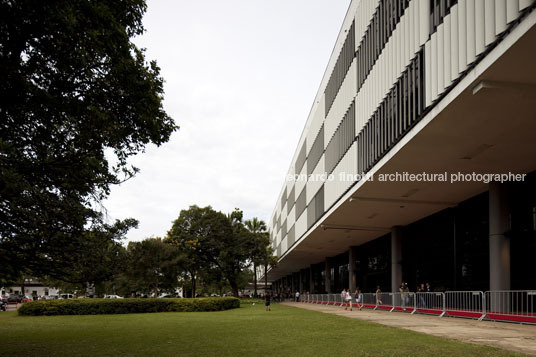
[441, 89]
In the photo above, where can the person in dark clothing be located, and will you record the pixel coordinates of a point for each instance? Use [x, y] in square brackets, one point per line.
[422, 289]
[267, 302]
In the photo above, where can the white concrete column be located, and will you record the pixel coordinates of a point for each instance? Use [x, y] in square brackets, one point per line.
[499, 244]
[396, 258]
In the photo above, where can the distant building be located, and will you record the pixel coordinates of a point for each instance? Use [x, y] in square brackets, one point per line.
[32, 287]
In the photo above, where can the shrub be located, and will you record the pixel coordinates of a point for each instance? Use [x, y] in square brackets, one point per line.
[125, 306]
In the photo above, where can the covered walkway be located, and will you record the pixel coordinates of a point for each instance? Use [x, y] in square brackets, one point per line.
[515, 337]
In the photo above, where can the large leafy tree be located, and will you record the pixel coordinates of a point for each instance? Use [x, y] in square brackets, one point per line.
[213, 240]
[152, 267]
[100, 256]
[192, 227]
[77, 99]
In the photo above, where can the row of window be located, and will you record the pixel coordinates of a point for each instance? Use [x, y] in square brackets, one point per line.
[291, 237]
[316, 208]
[401, 108]
[316, 151]
[342, 140]
[301, 203]
[302, 156]
[384, 21]
[438, 10]
[342, 65]
[284, 198]
[290, 199]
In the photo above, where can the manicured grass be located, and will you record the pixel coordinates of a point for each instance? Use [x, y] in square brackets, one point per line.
[247, 331]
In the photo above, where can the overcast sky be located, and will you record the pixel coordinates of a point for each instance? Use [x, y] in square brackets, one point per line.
[240, 79]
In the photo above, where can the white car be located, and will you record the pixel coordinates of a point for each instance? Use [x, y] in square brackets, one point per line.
[112, 297]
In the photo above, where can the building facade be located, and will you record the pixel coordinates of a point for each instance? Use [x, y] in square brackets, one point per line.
[417, 161]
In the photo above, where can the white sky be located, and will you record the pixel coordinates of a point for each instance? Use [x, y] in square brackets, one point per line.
[240, 79]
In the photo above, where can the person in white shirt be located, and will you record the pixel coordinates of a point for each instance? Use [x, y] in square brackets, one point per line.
[343, 297]
[297, 296]
[348, 300]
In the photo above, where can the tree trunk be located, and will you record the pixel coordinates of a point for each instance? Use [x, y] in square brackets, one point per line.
[254, 280]
[265, 279]
[234, 287]
[193, 284]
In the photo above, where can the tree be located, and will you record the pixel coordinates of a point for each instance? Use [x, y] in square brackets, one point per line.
[261, 241]
[189, 229]
[210, 239]
[152, 266]
[77, 100]
[270, 261]
[100, 257]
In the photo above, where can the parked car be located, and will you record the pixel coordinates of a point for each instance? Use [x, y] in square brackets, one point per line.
[112, 297]
[166, 296]
[51, 297]
[66, 296]
[27, 299]
[14, 298]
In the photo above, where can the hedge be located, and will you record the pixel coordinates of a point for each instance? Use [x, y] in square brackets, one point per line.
[125, 306]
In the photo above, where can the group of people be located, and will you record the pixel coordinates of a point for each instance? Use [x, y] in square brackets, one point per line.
[404, 293]
[347, 296]
[346, 299]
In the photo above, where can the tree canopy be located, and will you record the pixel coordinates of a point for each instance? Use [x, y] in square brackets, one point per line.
[77, 99]
[213, 240]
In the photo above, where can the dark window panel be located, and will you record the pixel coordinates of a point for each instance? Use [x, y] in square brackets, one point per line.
[291, 238]
[300, 203]
[342, 64]
[401, 108]
[311, 213]
[290, 200]
[319, 203]
[283, 198]
[317, 149]
[302, 156]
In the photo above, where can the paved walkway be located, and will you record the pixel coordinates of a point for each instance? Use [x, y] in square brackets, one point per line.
[515, 337]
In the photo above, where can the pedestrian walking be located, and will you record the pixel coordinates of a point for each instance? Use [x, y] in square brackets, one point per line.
[348, 300]
[378, 296]
[358, 298]
[422, 291]
[404, 294]
[267, 302]
[343, 297]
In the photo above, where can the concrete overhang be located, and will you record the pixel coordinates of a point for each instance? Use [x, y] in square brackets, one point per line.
[486, 124]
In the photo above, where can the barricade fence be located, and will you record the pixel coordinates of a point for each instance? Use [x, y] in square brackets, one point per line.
[508, 305]
[511, 305]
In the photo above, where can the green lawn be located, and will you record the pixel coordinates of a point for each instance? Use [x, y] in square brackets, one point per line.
[248, 331]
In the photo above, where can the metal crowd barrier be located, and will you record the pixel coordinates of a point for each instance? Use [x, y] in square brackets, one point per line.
[430, 303]
[465, 304]
[403, 302]
[510, 305]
